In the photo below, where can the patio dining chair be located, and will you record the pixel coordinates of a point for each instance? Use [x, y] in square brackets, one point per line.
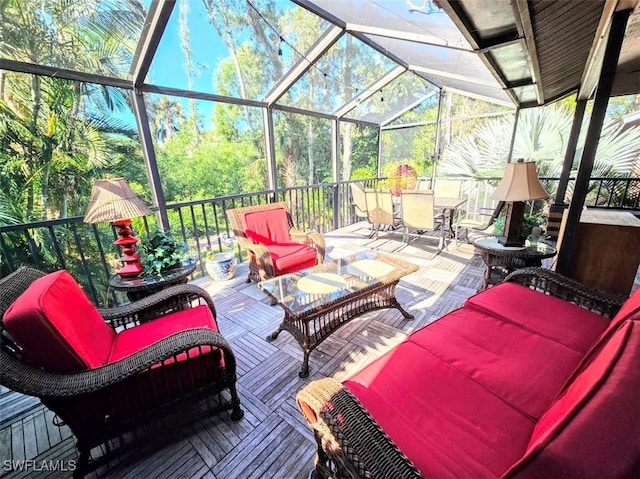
[418, 213]
[274, 245]
[381, 210]
[103, 372]
[477, 223]
[359, 201]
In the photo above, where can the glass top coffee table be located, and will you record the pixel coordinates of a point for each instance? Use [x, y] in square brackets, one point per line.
[317, 301]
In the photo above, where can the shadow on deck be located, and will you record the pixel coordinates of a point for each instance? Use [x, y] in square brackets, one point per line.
[272, 440]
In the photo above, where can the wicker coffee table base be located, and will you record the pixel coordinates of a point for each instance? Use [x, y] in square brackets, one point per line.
[312, 328]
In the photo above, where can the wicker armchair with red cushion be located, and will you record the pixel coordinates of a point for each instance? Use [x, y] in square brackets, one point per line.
[274, 245]
[102, 371]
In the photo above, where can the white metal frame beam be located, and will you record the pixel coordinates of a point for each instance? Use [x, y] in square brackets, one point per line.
[370, 91]
[319, 48]
[408, 108]
[155, 24]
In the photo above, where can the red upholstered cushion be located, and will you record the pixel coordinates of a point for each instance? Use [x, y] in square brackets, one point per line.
[524, 369]
[445, 422]
[268, 226]
[593, 429]
[630, 309]
[58, 326]
[136, 339]
[291, 257]
[548, 316]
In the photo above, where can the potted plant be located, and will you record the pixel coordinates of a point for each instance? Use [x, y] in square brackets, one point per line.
[160, 251]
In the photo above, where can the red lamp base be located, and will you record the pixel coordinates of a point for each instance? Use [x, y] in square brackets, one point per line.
[130, 259]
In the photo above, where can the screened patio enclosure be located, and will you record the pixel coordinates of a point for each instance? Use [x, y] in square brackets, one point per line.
[311, 93]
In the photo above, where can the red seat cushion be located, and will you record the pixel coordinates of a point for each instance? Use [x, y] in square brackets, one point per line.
[135, 339]
[58, 326]
[267, 226]
[551, 317]
[593, 429]
[292, 257]
[447, 424]
[522, 368]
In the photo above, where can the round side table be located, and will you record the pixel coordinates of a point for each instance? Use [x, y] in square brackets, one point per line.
[139, 287]
[501, 260]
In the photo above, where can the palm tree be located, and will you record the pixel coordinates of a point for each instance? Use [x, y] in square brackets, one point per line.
[541, 136]
[53, 123]
[166, 118]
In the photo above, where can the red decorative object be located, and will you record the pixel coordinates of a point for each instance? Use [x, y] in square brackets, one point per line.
[112, 200]
[127, 242]
[405, 178]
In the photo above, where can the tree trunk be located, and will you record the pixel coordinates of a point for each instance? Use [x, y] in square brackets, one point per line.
[310, 138]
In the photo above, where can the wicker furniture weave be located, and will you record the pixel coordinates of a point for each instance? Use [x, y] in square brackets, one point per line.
[261, 265]
[351, 444]
[500, 261]
[311, 317]
[103, 403]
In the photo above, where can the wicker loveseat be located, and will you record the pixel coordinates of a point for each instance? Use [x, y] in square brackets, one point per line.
[529, 379]
[104, 372]
[274, 245]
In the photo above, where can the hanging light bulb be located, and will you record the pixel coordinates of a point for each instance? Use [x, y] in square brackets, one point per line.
[280, 46]
[381, 97]
[324, 88]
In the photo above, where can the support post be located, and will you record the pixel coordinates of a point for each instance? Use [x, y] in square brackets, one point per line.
[335, 166]
[513, 134]
[566, 256]
[557, 208]
[272, 169]
[149, 154]
[436, 149]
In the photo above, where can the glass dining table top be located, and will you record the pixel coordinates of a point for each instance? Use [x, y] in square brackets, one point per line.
[313, 288]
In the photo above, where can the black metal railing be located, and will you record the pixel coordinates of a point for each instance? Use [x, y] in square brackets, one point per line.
[87, 250]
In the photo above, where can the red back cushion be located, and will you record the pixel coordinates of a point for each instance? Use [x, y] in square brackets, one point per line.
[58, 326]
[593, 428]
[630, 309]
[268, 226]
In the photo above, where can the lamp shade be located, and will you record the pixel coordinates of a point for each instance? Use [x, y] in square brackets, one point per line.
[520, 183]
[112, 200]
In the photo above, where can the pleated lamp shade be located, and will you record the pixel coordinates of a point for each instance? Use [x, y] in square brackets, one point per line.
[112, 200]
[520, 183]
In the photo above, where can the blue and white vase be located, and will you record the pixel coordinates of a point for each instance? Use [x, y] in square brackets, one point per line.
[221, 267]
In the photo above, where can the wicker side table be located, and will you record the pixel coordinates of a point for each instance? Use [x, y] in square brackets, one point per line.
[501, 260]
[140, 287]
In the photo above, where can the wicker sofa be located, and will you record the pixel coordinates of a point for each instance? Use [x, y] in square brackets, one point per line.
[527, 379]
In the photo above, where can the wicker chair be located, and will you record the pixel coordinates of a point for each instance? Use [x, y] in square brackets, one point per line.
[274, 245]
[146, 371]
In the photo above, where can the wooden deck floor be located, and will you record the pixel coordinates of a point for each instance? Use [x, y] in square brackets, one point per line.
[272, 440]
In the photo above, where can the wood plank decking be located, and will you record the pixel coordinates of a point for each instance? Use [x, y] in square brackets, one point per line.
[272, 440]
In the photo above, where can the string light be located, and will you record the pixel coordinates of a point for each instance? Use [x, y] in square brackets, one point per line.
[381, 97]
[324, 74]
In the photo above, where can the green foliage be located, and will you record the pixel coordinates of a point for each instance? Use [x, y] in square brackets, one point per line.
[529, 222]
[541, 136]
[160, 251]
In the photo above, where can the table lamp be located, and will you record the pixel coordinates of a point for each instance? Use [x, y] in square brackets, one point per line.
[519, 183]
[113, 201]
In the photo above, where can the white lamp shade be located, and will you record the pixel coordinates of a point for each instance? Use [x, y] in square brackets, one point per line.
[520, 183]
[112, 200]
